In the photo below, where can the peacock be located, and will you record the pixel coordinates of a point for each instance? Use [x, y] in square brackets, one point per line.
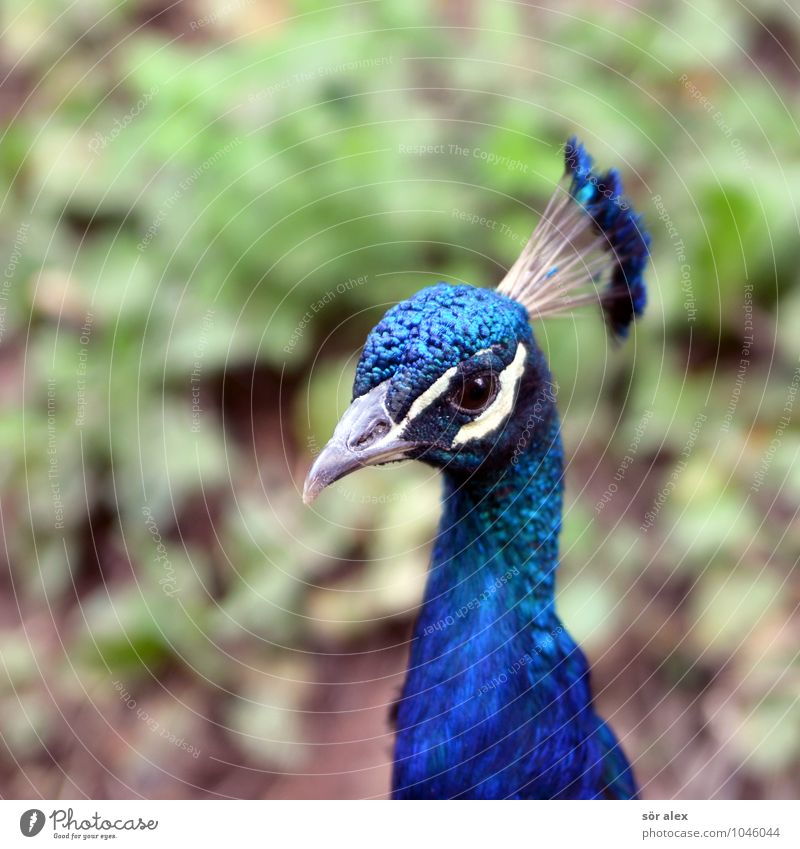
[497, 702]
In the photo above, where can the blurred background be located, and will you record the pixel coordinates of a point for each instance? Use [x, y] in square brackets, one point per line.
[205, 208]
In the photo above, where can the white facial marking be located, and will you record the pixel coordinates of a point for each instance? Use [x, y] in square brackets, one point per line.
[492, 417]
[434, 391]
[489, 419]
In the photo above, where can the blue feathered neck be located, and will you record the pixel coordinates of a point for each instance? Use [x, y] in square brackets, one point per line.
[497, 701]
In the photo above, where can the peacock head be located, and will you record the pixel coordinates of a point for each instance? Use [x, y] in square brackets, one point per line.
[453, 375]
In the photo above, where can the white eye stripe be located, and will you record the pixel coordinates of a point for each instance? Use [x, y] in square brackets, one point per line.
[489, 419]
[429, 396]
[435, 391]
[492, 417]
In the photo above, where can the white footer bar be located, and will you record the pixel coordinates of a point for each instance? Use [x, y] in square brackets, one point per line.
[404, 825]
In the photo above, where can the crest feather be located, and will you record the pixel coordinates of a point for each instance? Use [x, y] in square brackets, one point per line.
[588, 247]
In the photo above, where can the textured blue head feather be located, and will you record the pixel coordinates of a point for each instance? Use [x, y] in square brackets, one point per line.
[427, 349]
[434, 330]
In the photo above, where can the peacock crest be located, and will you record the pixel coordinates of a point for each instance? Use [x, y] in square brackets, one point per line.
[588, 247]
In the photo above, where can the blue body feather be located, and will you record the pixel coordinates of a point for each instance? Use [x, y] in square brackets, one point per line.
[497, 703]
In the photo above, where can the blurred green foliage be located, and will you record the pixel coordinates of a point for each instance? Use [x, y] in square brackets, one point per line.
[212, 204]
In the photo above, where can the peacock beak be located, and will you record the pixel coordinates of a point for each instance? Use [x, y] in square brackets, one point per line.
[365, 436]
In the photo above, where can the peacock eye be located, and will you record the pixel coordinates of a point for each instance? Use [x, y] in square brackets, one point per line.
[475, 392]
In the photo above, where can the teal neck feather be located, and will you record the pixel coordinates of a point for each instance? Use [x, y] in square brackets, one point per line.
[495, 557]
[497, 701]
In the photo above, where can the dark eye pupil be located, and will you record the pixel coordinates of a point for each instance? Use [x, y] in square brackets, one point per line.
[476, 392]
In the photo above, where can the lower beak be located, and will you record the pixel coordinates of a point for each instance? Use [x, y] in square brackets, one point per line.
[365, 436]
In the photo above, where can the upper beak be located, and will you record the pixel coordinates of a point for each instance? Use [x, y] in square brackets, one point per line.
[365, 436]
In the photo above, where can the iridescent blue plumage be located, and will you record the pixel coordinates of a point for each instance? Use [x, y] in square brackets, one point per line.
[497, 702]
[466, 725]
